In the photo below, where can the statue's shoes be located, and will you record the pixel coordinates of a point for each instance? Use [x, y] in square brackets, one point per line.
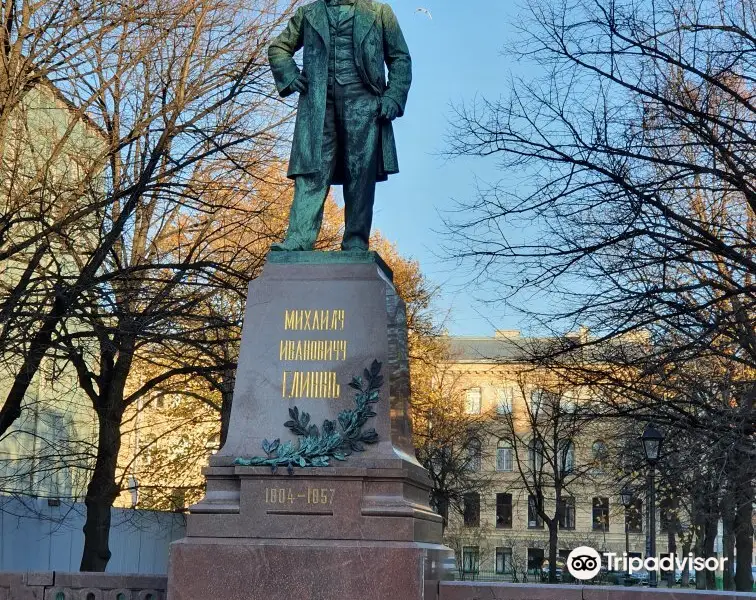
[285, 246]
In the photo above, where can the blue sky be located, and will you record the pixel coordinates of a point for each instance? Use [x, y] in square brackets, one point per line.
[456, 54]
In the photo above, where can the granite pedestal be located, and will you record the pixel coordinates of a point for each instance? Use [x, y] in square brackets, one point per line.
[358, 528]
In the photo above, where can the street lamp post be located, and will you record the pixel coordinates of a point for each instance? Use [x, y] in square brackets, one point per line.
[652, 440]
[627, 495]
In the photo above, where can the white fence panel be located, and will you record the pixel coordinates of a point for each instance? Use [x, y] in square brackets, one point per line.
[37, 537]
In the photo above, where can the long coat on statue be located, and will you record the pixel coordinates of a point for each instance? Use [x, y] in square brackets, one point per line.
[378, 41]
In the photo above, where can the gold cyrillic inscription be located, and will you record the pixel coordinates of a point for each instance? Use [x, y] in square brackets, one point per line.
[314, 320]
[315, 350]
[310, 384]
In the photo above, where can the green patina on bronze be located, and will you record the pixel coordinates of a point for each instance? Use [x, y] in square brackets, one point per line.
[331, 258]
[343, 132]
[316, 446]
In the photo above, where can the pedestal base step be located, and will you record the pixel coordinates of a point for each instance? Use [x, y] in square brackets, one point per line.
[254, 569]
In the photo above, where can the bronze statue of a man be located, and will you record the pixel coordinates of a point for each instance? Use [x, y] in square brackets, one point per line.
[343, 133]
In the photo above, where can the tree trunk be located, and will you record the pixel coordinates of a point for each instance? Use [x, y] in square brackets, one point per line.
[706, 519]
[671, 546]
[744, 537]
[227, 397]
[685, 575]
[102, 492]
[708, 550]
[553, 543]
[744, 497]
[728, 543]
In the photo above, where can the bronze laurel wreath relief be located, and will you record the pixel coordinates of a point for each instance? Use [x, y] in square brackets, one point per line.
[315, 447]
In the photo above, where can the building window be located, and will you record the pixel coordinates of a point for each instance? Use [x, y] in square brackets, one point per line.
[504, 456]
[471, 509]
[535, 456]
[472, 401]
[567, 517]
[601, 514]
[634, 516]
[503, 511]
[470, 559]
[568, 402]
[535, 560]
[567, 457]
[600, 453]
[536, 402]
[474, 454]
[666, 514]
[534, 519]
[504, 397]
[503, 560]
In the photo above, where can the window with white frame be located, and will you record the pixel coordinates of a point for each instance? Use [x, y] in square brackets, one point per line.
[535, 455]
[567, 513]
[537, 396]
[504, 456]
[600, 452]
[504, 398]
[503, 560]
[567, 456]
[472, 401]
[470, 559]
[474, 454]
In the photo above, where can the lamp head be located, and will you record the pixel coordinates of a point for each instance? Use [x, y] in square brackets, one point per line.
[652, 440]
[627, 496]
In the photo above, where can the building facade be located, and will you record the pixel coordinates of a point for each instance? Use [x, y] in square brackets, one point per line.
[50, 167]
[538, 440]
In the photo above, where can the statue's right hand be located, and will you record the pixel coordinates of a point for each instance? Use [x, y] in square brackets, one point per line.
[300, 84]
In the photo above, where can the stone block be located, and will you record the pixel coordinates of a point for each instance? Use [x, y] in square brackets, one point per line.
[25, 592]
[345, 302]
[42, 578]
[477, 590]
[317, 570]
[109, 581]
[645, 593]
[9, 578]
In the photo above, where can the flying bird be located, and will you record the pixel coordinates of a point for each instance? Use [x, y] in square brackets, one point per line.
[425, 11]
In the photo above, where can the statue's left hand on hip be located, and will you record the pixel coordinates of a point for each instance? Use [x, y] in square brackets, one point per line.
[389, 109]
